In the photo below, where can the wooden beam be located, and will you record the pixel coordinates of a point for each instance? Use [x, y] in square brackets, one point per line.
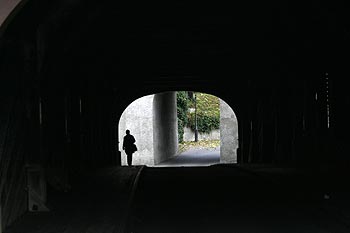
[0, 220]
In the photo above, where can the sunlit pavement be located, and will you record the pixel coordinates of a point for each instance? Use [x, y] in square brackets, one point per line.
[195, 157]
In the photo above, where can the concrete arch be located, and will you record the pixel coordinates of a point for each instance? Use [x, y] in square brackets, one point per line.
[152, 119]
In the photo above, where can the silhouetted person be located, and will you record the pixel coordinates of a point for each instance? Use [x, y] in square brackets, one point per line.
[129, 146]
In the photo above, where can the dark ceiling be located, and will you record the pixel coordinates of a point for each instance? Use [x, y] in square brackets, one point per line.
[259, 41]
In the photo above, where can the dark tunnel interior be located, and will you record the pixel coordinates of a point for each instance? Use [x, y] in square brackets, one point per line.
[69, 68]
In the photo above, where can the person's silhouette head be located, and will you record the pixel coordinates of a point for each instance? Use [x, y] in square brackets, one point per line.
[127, 131]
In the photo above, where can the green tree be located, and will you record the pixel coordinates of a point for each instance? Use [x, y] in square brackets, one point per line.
[208, 113]
[182, 109]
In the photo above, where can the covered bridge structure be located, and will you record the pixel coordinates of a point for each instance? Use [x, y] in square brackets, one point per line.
[69, 68]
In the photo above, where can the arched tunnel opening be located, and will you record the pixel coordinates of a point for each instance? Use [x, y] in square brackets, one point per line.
[162, 123]
[70, 69]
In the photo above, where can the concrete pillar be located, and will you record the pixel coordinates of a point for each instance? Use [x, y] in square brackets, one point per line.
[165, 134]
[228, 134]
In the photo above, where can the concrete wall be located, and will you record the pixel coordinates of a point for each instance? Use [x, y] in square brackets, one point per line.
[165, 126]
[189, 135]
[138, 118]
[229, 134]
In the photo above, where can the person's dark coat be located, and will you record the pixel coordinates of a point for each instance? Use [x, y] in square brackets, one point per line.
[128, 144]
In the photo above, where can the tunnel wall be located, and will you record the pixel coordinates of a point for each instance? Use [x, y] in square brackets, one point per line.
[165, 132]
[138, 118]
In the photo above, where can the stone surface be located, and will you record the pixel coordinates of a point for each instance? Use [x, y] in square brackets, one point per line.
[229, 134]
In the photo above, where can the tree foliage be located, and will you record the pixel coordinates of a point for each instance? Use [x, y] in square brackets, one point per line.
[208, 113]
[182, 108]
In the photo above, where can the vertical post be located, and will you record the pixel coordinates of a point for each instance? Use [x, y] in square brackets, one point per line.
[0, 221]
[41, 141]
[195, 118]
[250, 152]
